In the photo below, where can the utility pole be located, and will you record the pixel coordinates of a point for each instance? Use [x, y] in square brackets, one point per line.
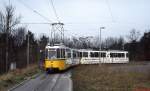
[28, 50]
[9, 2]
[7, 39]
[100, 44]
[7, 31]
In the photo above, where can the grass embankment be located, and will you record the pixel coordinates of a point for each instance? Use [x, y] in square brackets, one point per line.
[105, 78]
[14, 77]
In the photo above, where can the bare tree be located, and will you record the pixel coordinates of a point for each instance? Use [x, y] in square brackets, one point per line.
[43, 41]
[113, 43]
[19, 36]
[134, 35]
[121, 43]
[8, 22]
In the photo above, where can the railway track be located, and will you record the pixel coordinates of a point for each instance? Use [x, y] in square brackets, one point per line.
[54, 82]
[49, 83]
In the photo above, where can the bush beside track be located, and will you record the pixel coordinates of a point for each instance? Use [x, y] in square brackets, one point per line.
[15, 77]
[111, 77]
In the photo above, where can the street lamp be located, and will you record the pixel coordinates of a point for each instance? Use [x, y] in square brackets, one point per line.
[100, 45]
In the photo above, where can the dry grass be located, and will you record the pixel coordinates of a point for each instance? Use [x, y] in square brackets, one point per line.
[105, 78]
[16, 76]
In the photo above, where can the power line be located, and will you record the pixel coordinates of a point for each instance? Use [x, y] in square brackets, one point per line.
[109, 8]
[27, 6]
[54, 9]
[78, 23]
[35, 23]
[9, 2]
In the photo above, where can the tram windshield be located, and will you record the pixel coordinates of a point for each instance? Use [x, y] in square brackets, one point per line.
[51, 53]
[55, 53]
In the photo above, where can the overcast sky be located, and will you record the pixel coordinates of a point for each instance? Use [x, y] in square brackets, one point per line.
[84, 17]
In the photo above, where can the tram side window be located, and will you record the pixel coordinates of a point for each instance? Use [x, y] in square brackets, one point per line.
[113, 55]
[60, 53]
[120, 55]
[127, 54]
[46, 53]
[94, 54]
[69, 55]
[74, 54]
[63, 53]
[85, 54]
[103, 54]
[80, 54]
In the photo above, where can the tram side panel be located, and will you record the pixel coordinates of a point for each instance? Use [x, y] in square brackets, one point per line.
[107, 57]
[118, 57]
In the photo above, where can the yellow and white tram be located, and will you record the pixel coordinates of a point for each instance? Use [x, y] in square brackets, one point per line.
[59, 57]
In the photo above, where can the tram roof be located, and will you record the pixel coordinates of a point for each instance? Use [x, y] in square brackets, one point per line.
[117, 51]
[90, 50]
[56, 46]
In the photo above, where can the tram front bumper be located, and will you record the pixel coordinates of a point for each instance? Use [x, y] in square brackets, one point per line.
[55, 64]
